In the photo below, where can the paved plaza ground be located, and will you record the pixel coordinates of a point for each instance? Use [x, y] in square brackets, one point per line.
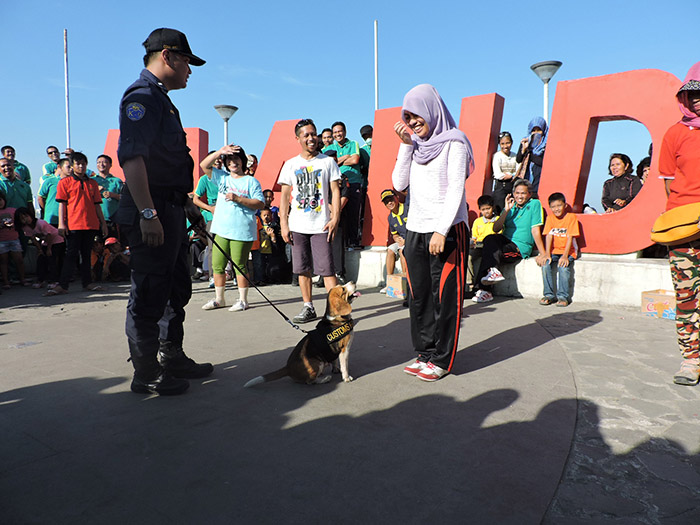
[551, 415]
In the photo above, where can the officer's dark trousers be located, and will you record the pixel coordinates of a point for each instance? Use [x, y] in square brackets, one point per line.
[161, 285]
[436, 285]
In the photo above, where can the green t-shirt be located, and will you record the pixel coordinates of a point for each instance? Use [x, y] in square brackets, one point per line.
[519, 224]
[206, 186]
[350, 147]
[48, 193]
[114, 185]
[19, 193]
[365, 153]
[23, 172]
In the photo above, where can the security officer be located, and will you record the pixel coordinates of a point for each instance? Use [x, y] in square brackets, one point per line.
[158, 170]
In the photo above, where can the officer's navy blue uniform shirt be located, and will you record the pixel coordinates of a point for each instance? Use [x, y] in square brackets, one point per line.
[150, 127]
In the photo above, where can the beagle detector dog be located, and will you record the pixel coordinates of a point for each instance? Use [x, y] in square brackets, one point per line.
[328, 342]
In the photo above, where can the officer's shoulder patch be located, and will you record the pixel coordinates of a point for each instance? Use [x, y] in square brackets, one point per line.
[135, 111]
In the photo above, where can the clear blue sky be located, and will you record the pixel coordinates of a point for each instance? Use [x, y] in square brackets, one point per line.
[285, 60]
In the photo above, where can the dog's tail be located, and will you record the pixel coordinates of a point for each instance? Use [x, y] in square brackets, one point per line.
[272, 376]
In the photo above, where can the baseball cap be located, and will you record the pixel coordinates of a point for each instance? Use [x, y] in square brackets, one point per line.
[388, 193]
[166, 38]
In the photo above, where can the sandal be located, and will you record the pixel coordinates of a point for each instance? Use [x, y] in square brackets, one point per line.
[546, 301]
[55, 291]
[562, 302]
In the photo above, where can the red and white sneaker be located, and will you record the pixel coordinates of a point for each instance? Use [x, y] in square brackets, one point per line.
[493, 276]
[482, 296]
[415, 367]
[431, 372]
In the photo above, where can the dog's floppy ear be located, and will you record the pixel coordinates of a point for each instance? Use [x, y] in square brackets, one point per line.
[338, 304]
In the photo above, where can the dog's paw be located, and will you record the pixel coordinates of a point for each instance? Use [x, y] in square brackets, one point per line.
[347, 379]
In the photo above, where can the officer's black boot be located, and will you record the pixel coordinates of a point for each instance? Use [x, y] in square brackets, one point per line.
[151, 378]
[177, 364]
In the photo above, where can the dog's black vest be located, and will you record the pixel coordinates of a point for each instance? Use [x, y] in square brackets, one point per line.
[326, 334]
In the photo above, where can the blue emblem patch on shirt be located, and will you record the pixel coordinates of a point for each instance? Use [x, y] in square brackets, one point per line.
[135, 111]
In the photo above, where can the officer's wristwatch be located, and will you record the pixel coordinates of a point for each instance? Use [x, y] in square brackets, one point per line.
[149, 214]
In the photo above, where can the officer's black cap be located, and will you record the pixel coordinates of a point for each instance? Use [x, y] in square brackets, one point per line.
[165, 38]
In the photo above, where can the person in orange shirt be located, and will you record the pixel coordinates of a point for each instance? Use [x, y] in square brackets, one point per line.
[561, 229]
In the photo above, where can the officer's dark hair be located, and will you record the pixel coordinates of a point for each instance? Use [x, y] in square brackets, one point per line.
[556, 196]
[103, 156]
[240, 155]
[338, 123]
[484, 200]
[63, 161]
[77, 156]
[303, 122]
[49, 147]
[149, 56]
[4, 148]
[329, 130]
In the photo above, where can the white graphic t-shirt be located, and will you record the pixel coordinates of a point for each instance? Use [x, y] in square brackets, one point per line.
[311, 184]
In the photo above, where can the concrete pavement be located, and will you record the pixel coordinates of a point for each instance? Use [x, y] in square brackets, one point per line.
[554, 415]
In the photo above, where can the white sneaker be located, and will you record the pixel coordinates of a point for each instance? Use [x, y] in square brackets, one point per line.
[213, 305]
[493, 276]
[238, 307]
[383, 290]
[482, 296]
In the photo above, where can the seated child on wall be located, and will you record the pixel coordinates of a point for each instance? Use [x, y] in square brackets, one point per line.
[397, 227]
[116, 261]
[272, 249]
[561, 229]
[481, 227]
[51, 247]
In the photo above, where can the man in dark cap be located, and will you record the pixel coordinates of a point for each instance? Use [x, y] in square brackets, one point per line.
[158, 170]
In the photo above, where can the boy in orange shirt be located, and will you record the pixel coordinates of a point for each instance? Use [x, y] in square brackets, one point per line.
[561, 229]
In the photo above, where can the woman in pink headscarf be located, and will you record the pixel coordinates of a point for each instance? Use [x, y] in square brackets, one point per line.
[433, 163]
[679, 164]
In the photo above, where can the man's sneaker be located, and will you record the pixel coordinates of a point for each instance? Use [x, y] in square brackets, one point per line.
[482, 296]
[415, 367]
[238, 307]
[383, 290]
[213, 305]
[306, 315]
[431, 372]
[176, 363]
[493, 276]
[689, 374]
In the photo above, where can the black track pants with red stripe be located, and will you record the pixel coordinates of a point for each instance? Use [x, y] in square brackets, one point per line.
[436, 284]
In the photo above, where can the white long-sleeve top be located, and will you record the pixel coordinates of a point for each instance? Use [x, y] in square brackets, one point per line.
[504, 165]
[436, 189]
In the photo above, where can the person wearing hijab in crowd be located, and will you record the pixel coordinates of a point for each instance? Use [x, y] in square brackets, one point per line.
[433, 164]
[531, 152]
[679, 164]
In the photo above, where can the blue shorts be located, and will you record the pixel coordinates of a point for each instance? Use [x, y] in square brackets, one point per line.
[10, 246]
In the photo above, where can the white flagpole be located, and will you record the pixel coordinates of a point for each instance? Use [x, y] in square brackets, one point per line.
[65, 67]
[376, 68]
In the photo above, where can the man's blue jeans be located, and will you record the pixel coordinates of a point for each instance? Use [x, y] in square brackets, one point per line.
[563, 279]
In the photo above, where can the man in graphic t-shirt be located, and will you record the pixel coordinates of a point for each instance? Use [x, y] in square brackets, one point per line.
[308, 181]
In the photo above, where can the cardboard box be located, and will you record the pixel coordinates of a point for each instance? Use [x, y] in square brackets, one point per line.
[659, 303]
[396, 286]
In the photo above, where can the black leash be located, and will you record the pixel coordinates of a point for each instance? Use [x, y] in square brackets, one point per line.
[245, 274]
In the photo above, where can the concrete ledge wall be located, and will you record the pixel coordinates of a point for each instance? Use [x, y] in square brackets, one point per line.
[603, 279]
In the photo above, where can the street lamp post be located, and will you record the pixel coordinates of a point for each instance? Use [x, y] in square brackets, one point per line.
[545, 71]
[225, 112]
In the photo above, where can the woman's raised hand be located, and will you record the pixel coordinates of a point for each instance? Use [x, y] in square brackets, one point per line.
[402, 131]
